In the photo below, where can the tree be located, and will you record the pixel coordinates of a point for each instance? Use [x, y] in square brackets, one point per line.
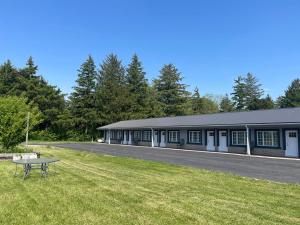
[253, 90]
[113, 98]
[25, 83]
[239, 95]
[226, 105]
[171, 93]
[13, 119]
[263, 103]
[202, 105]
[246, 90]
[82, 100]
[291, 98]
[138, 89]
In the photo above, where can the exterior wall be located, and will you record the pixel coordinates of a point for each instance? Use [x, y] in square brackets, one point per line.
[255, 150]
[144, 143]
[268, 152]
[237, 149]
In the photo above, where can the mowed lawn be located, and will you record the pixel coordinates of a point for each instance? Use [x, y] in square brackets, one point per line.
[98, 189]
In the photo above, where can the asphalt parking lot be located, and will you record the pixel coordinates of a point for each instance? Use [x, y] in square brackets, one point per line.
[275, 169]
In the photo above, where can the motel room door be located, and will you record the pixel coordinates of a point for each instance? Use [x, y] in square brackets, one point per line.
[155, 138]
[125, 137]
[163, 138]
[291, 137]
[223, 141]
[130, 137]
[210, 141]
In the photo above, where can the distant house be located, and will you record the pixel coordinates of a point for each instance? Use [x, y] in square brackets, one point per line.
[263, 132]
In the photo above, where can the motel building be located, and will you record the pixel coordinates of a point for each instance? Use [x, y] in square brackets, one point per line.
[273, 132]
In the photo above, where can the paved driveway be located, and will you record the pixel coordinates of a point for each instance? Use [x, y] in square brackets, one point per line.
[282, 170]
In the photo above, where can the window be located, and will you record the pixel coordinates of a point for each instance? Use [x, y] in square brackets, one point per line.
[195, 137]
[146, 135]
[267, 138]
[136, 135]
[238, 137]
[173, 136]
[119, 135]
[292, 134]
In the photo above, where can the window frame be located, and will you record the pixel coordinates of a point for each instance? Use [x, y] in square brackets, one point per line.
[237, 144]
[268, 146]
[150, 136]
[139, 136]
[192, 142]
[178, 136]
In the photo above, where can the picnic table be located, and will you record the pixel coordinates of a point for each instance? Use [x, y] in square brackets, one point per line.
[29, 164]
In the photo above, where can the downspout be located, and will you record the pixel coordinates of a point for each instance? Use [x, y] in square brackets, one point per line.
[248, 140]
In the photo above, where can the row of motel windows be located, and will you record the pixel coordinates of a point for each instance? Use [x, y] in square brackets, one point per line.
[264, 138]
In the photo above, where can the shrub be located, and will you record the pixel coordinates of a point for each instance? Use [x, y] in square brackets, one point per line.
[13, 117]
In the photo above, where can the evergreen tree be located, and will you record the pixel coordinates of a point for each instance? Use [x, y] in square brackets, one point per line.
[246, 90]
[291, 98]
[239, 95]
[24, 83]
[253, 90]
[202, 105]
[171, 93]
[263, 103]
[138, 89]
[113, 98]
[82, 100]
[226, 104]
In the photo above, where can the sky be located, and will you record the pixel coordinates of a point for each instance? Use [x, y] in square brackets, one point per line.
[210, 42]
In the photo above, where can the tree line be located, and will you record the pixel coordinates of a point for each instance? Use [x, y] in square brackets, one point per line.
[114, 92]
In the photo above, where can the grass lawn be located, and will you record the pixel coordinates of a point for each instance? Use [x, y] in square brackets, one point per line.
[97, 189]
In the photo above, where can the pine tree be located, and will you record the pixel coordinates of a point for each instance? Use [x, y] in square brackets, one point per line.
[239, 95]
[171, 93]
[291, 98]
[24, 82]
[246, 90]
[138, 89]
[253, 90]
[83, 107]
[201, 105]
[262, 103]
[113, 99]
[226, 104]
[31, 69]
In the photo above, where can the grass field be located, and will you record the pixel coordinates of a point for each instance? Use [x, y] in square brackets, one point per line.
[97, 189]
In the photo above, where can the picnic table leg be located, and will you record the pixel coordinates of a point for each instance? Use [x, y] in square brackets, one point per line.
[26, 170]
[44, 169]
[16, 169]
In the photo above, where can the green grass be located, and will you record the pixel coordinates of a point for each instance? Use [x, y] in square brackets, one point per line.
[98, 189]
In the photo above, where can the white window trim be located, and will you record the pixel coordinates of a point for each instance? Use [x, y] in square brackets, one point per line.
[263, 138]
[238, 144]
[171, 133]
[190, 132]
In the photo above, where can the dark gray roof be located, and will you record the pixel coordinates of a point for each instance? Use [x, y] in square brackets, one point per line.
[272, 116]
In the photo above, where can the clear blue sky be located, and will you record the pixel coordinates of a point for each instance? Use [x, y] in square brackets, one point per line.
[211, 42]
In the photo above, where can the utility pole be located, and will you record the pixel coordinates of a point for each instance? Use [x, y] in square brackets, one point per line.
[27, 129]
